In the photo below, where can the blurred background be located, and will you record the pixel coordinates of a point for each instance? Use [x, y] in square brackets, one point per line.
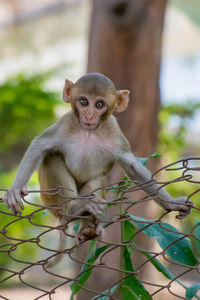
[153, 49]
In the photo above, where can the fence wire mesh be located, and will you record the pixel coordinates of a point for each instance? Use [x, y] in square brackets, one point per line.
[28, 243]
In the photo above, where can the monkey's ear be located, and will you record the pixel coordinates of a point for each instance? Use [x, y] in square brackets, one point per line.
[66, 90]
[122, 101]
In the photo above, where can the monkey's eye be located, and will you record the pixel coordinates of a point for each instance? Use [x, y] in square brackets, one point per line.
[84, 102]
[100, 104]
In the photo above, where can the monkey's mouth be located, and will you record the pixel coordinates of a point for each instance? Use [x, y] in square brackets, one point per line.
[89, 126]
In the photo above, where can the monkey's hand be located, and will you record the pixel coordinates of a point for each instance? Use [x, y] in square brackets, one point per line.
[180, 204]
[13, 200]
[95, 207]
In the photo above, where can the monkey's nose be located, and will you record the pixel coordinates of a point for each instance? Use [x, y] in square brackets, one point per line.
[89, 118]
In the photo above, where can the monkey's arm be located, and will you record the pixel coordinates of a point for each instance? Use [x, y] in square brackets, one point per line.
[30, 162]
[136, 171]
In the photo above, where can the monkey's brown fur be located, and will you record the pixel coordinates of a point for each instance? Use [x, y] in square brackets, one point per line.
[79, 151]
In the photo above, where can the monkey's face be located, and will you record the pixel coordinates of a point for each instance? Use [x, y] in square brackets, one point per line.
[93, 98]
[91, 111]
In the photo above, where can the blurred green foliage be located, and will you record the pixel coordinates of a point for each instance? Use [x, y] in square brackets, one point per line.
[173, 138]
[20, 230]
[26, 108]
[190, 8]
[173, 145]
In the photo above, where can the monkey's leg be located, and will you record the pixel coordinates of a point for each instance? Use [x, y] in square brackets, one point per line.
[53, 173]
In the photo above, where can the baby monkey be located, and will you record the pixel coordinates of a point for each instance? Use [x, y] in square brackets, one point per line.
[79, 151]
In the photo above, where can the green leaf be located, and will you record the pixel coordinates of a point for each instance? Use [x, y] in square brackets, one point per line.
[131, 287]
[45, 212]
[110, 291]
[192, 290]
[92, 247]
[125, 183]
[144, 160]
[175, 244]
[128, 232]
[197, 235]
[114, 188]
[128, 293]
[76, 225]
[86, 270]
[155, 155]
[158, 265]
[111, 203]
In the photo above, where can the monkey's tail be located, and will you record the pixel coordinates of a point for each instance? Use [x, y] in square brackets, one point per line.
[61, 245]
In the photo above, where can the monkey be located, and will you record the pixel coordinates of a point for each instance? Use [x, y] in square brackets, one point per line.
[79, 151]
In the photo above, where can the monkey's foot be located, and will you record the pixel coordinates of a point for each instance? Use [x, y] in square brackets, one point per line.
[182, 205]
[90, 231]
[95, 207]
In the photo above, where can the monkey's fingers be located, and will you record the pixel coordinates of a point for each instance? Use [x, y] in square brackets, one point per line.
[13, 201]
[92, 207]
[13, 204]
[8, 201]
[5, 199]
[98, 204]
[185, 208]
[100, 230]
[95, 209]
[182, 214]
[19, 201]
[181, 204]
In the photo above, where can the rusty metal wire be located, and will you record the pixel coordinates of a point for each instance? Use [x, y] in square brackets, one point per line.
[33, 273]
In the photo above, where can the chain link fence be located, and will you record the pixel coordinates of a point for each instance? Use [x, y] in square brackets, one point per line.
[28, 242]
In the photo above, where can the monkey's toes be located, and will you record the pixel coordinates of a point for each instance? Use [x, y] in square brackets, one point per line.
[89, 232]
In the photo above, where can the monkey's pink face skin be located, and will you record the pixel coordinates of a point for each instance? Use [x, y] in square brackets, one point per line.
[91, 111]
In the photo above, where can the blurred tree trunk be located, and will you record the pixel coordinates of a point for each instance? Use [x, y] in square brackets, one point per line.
[125, 44]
